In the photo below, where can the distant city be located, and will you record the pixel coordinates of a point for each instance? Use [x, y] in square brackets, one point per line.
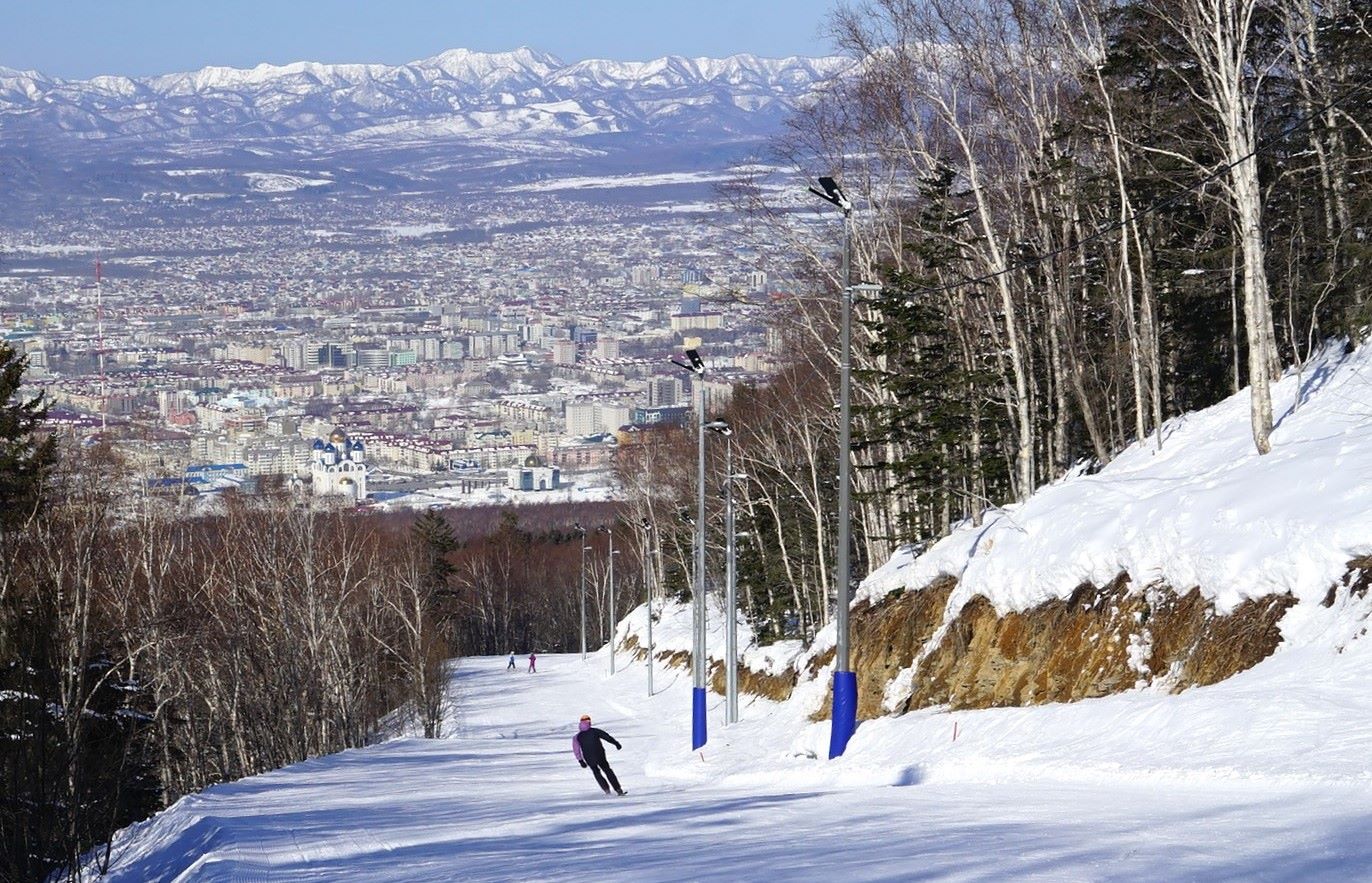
[474, 355]
[454, 281]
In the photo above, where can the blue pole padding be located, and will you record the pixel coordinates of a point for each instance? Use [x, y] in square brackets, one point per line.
[697, 717]
[845, 712]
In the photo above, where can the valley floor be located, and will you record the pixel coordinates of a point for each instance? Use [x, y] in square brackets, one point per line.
[501, 798]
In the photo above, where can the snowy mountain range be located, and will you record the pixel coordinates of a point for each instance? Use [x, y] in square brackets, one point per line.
[459, 93]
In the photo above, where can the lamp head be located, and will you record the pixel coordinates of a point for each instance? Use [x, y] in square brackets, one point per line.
[832, 193]
[694, 363]
[720, 426]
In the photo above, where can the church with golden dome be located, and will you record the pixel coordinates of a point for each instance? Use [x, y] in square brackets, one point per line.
[338, 467]
[534, 475]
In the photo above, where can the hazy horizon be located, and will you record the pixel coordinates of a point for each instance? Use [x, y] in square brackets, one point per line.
[86, 39]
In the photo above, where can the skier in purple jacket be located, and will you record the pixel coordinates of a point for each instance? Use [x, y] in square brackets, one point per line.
[589, 751]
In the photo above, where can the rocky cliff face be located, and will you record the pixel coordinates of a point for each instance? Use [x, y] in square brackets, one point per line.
[1101, 640]
[1173, 566]
[909, 654]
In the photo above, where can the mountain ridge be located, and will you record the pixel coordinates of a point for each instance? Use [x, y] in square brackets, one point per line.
[457, 93]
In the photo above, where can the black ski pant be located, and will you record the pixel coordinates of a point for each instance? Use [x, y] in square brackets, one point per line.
[603, 764]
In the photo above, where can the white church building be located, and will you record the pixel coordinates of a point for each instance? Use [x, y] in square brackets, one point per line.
[534, 475]
[338, 467]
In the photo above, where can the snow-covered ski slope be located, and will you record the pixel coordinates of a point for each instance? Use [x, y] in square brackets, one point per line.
[1139, 787]
[1265, 776]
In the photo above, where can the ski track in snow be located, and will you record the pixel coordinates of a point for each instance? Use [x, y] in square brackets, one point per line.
[503, 799]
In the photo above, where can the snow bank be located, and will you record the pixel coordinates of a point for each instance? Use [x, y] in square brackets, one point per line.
[1206, 510]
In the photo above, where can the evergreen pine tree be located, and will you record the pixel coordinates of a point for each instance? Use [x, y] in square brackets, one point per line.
[931, 420]
[24, 455]
[436, 540]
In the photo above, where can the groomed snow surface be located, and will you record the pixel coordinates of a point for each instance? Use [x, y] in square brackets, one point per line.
[1265, 776]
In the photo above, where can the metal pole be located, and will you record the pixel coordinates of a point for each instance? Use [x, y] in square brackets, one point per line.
[845, 681]
[731, 589]
[611, 532]
[698, 728]
[582, 532]
[648, 587]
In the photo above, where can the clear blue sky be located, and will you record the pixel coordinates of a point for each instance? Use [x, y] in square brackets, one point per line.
[82, 38]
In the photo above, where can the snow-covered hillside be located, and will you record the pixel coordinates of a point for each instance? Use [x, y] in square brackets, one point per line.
[1203, 509]
[1264, 776]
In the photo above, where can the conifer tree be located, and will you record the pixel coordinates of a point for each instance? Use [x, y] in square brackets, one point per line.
[24, 455]
[436, 539]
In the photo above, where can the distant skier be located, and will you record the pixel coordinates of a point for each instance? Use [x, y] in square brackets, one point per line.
[511, 666]
[590, 753]
[532, 666]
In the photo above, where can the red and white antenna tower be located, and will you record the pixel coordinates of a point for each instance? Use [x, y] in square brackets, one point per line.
[100, 347]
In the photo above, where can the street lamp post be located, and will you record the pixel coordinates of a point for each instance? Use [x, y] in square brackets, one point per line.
[648, 590]
[581, 531]
[696, 365]
[731, 577]
[611, 533]
[844, 720]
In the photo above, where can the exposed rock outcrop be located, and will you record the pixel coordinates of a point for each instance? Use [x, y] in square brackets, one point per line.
[777, 687]
[1096, 642]
[772, 686]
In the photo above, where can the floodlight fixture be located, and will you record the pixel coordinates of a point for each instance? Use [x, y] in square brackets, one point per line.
[832, 193]
[694, 363]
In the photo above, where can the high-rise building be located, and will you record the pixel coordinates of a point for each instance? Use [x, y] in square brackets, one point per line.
[298, 354]
[644, 276]
[335, 355]
[564, 352]
[583, 418]
[613, 415]
[372, 357]
[607, 348]
[664, 390]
